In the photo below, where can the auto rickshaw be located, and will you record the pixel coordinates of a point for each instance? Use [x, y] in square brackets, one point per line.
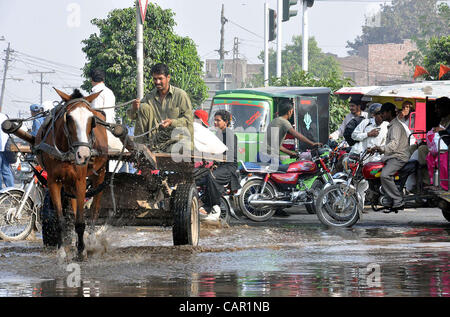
[252, 110]
[422, 119]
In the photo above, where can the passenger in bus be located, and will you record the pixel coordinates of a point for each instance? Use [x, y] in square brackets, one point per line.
[276, 132]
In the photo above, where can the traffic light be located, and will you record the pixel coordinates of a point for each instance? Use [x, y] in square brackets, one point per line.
[272, 25]
[287, 13]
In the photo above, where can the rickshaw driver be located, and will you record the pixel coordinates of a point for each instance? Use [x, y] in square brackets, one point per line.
[281, 125]
[166, 106]
[396, 154]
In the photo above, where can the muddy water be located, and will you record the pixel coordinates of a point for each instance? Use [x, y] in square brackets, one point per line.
[291, 259]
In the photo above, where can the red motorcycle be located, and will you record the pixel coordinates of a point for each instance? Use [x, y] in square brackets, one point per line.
[341, 204]
[266, 188]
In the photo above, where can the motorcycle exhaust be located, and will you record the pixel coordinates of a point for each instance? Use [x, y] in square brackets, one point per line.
[271, 203]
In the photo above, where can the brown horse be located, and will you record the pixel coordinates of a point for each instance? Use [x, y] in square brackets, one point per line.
[79, 149]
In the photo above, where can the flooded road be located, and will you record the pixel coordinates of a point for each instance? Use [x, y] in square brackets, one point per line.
[383, 255]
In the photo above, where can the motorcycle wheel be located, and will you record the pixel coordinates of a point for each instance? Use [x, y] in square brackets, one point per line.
[225, 213]
[15, 229]
[256, 214]
[334, 209]
[316, 187]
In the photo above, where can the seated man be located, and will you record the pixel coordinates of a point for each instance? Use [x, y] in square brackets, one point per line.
[370, 132]
[356, 110]
[396, 154]
[165, 108]
[276, 132]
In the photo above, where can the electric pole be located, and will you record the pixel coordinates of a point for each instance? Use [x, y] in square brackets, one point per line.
[42, 83]
[279, 16]
[222, 52]
[266, 44]
[139, 52]
[8, 51]
[235, 60]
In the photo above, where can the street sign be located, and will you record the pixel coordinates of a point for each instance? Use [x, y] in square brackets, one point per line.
[143, 8]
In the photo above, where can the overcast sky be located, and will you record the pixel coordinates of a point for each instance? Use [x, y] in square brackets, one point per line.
[52, 31]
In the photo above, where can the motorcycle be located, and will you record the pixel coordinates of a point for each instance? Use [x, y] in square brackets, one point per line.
[226, 206]
[266, 189]
[342, 204]
[20, 206]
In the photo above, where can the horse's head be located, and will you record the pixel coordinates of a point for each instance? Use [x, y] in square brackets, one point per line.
[79, 122]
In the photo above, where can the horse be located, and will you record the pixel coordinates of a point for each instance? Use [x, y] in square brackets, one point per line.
[76, 148]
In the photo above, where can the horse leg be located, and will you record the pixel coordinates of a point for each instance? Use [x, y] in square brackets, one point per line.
[79, 215]
[55, 194]
[95, 206]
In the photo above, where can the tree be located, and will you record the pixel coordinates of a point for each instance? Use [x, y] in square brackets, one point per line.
[435, 53]
[114, 50]
[320, 64]
[404, 19]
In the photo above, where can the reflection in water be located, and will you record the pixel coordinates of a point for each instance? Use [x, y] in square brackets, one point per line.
[411, 279]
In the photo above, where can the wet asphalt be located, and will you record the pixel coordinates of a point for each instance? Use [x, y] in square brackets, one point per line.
[404, 254]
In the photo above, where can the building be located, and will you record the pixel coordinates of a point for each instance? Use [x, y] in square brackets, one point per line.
[236, 73]
[379, 64]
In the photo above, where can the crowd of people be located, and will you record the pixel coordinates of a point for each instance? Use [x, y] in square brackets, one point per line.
[382, 130]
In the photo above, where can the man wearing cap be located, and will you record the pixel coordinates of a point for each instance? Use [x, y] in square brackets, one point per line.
[106, 101]
[37, 122]
[370, 132]
[356, 110]
[396, 153]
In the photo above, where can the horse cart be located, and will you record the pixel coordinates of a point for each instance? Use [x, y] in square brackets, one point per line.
[163, 193]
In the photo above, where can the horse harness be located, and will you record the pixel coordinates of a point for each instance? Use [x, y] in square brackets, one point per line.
[56, 113]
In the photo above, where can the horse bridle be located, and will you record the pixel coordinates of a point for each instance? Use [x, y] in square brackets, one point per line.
[74, 145]
[70, 154]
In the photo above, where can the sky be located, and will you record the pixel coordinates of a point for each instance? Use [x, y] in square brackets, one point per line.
[46, 36]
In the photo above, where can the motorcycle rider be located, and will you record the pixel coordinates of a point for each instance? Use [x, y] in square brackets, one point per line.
[370, 132]
[396, 154]
[276, 132]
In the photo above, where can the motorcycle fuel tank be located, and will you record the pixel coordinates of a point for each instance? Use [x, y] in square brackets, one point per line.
[302, 167]
[372, 170]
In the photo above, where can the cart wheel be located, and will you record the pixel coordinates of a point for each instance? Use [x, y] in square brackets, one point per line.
[49, 222]
[186, 225]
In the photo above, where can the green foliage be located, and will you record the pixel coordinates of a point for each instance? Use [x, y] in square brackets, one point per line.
[319, 63]
[405, 19]
[437, 52]
[114, 50]
[338, 107]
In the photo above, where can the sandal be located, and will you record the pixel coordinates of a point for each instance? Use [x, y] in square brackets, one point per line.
[202, 213]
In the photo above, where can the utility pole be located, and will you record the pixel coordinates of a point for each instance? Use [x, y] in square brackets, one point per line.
[266, 44]
[222, 52]
[279, 16]
[139, 53]
[42, 83]
[235, 60]
[8, 51]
